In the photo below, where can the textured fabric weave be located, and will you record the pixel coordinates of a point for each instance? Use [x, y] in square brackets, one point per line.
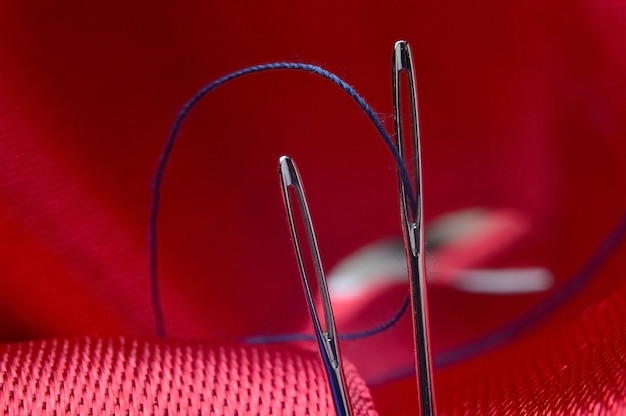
[90, 376]
[573, 365]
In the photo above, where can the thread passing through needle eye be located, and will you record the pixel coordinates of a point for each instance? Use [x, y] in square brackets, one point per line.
[327, 340]
[412, 220]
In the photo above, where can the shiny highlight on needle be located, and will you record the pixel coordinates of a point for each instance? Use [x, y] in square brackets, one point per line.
[327, 341]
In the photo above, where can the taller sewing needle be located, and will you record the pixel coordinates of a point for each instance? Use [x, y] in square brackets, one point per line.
[327, 340]
[412, 218]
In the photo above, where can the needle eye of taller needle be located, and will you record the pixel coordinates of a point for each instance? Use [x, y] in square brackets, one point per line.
[412, 220]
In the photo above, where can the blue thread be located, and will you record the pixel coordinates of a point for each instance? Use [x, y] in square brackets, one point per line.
[500, 336]
[567, 290]
[497, 337]
[165, 155]
[447, 358]
[278, 339]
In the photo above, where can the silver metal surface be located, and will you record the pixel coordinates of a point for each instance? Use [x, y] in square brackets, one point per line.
[412, 219]
[327, 340]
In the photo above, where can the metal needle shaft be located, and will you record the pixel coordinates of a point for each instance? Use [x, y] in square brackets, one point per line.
[412, 219]
[327, 340]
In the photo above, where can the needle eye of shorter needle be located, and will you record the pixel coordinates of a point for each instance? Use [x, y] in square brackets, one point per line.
[326, 338]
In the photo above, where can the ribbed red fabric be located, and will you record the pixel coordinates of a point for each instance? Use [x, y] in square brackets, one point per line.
[95, 376]
[572, 365]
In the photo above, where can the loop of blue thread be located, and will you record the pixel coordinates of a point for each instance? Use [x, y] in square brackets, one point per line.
[171, 140]
[350, 336]
[445, 359]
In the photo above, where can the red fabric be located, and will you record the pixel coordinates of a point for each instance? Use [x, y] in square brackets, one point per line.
[573, 365]
[523, 107]
[128, 376]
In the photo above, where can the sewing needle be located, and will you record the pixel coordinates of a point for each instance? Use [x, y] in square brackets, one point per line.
[327, 340]
[412, 218]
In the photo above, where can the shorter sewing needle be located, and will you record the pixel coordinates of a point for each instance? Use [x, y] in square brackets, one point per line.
[412, 219]
[327, 340]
